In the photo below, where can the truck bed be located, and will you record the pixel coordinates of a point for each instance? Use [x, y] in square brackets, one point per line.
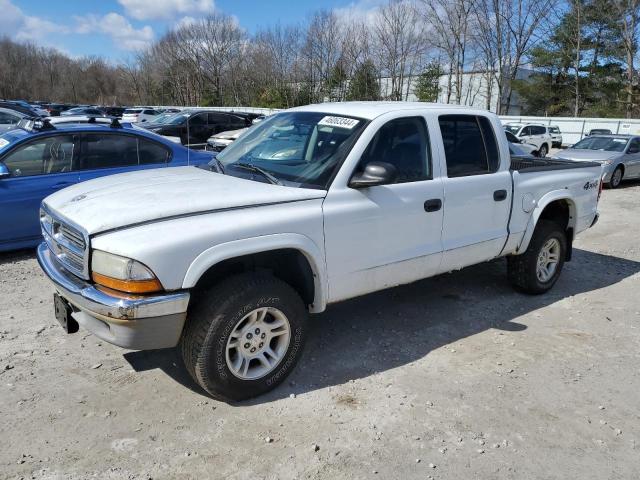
[531, 164]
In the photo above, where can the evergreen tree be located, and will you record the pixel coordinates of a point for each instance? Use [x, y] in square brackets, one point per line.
[364, 85]
[427, 87]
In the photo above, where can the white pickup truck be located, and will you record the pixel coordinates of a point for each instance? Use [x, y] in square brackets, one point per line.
[313, 206]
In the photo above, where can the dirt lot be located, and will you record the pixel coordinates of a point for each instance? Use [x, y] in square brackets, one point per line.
[456, 377]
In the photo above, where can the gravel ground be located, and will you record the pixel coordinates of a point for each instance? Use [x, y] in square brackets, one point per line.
[456, 377]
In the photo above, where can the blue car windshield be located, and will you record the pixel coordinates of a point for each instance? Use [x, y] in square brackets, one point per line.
[300, 149]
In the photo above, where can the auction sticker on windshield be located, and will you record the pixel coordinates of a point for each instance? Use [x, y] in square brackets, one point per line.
[339, 122]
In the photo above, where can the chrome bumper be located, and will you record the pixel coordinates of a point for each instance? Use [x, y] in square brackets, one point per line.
[89, 299]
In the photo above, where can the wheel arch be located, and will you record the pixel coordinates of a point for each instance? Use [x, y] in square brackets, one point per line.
[293, 258]
[557, 207]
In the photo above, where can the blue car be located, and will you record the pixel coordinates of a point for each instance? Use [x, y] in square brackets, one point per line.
[40, 158]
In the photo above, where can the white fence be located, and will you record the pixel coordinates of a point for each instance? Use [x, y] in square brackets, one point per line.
[575, 129]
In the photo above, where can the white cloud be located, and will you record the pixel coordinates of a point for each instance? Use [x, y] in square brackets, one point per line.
[185, 21]
[362, 11]
[165, 9]
[124, 35]
[16, 24]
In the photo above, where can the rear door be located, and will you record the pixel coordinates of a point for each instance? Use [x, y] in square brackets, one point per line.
[106, 153]
[38, 168]
[477, 191]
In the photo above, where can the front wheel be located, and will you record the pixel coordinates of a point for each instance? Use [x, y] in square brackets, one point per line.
[543, 150]
[244, 336]
[538, 268]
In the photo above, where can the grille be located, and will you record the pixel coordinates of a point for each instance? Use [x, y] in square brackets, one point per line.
[67, 243]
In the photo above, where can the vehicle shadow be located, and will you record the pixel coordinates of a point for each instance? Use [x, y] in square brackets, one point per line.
[17, 255]
[384, 330]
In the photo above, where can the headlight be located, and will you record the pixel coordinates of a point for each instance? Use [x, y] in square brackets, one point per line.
[607, 162]
[121, 273]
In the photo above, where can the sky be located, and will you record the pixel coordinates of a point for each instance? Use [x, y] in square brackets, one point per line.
[116, 29]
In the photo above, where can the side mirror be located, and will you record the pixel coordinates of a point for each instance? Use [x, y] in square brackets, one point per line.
[375, 173]
[4, 171]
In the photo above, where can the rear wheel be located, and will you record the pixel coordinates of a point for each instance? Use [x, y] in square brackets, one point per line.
[538, 268]
[616, 177]
[244, 336]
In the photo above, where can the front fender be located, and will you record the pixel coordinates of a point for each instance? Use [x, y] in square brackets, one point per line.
[248, 246]
[539, 208]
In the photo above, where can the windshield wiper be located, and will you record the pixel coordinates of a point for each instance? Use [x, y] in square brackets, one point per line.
[264, 173]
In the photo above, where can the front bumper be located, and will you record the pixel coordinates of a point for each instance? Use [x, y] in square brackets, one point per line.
[135, 322]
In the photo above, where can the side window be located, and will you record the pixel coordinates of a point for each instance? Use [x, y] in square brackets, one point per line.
[198, 120]
[537, 130]
[402, 143]
[218, 119]
[490, 143]
[108, 150]
[464, 145]
[8, 119]
[526, 131]
[151, 152]
[47, 155]
[634, 146]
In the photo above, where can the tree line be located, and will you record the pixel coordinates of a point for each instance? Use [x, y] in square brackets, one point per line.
[562, 57]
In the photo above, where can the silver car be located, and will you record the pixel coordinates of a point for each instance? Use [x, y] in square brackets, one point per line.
[618, 154]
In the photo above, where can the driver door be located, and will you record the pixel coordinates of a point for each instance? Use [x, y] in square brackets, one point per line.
[38, 168]
[632, 159]
[386, 235]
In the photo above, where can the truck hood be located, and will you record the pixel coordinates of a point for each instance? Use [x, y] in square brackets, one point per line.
[586, 155]
[127, 199]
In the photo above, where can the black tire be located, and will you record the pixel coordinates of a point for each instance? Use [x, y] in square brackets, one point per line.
[522, 269]
[214, 316]
[616, 180]
[542, 152]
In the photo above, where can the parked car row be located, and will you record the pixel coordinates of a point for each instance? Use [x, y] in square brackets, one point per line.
[42, 157]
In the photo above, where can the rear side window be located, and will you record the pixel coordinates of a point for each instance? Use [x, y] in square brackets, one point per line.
[469, 144]
[403, 144]
[196, 120]
[218, 119]
[151, 152]
[104, 151]
[538, 130]
[112, 150]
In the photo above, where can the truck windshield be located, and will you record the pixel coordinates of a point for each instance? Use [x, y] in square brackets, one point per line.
[607, 144]
[300, 149]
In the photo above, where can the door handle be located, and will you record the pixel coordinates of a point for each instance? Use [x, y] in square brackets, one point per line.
[433, 205]
[500, 195]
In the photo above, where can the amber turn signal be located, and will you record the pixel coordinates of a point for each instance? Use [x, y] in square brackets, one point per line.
[129, 286]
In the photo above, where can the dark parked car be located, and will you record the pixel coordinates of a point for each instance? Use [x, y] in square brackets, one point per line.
[18, 107]
[114, 111]
[92, 111]
[40, 158]
[599, 131]
[194, 127]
